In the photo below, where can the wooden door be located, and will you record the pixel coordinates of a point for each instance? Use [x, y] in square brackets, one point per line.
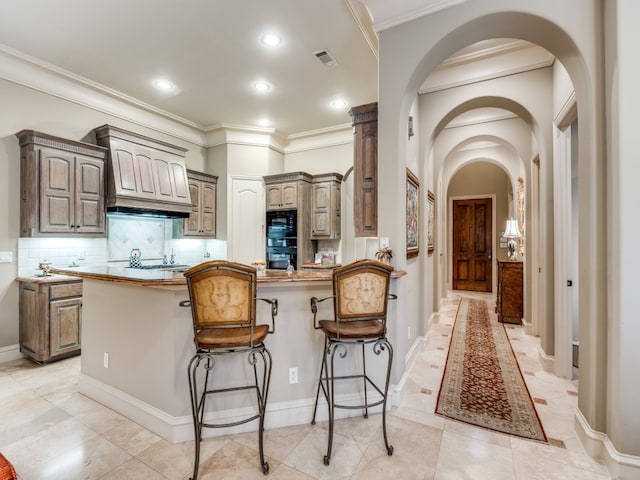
[321, 221]
[65, 326]
[89, 202]
[191, 224]
[289, 195]
[472, 250]
[274, 197]
[365, 169]
[57, 176]
[208, 209]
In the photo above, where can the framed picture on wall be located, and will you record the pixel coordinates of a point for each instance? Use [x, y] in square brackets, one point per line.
[431, 221]
[413, 215]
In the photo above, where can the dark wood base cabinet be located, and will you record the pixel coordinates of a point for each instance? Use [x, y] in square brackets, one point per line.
[50, 319]
[509, 303]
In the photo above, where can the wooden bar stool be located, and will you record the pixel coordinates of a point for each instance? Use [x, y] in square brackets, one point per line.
[222, 298]
[360, 295]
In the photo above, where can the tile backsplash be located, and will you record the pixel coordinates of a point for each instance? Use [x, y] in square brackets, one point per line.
[153, 236]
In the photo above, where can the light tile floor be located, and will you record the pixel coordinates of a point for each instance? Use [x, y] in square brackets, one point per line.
[50, 431]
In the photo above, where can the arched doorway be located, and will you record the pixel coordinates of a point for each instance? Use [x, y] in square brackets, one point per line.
[424, 44]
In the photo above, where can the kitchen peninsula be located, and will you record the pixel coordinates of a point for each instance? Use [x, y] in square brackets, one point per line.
[137, 342]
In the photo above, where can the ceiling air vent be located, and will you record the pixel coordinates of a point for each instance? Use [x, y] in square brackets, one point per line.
[325, 57]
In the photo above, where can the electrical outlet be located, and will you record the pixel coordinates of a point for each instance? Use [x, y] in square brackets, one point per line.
[293, 375]
[105, 360]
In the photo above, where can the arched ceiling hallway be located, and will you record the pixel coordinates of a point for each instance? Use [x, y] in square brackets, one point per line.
[572, 32]
[509, 134]
[479, 165]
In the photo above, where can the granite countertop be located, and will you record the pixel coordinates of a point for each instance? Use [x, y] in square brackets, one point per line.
[51, 278]
[162, 278]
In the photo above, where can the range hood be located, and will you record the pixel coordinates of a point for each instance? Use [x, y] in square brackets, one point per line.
[144, 176]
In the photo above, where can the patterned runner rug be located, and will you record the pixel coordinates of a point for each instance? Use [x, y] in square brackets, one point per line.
[482, 384]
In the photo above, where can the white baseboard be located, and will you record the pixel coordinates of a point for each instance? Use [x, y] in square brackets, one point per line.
[396, 391]
[598, 445]
[180, 429]
[548, 361]
[10, 353]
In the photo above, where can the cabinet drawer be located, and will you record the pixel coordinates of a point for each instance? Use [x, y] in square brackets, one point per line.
[66, 290]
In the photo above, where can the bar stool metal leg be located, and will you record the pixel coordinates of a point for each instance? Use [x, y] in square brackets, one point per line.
[262, 395]
[332, 350]
[364, 383]
[330, 377]
[198, 401]
[323, 369]
[385, 344]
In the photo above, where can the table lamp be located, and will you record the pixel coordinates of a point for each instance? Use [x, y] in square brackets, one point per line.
[512, 232]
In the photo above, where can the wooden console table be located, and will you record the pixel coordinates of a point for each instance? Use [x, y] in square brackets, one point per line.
[509, 303]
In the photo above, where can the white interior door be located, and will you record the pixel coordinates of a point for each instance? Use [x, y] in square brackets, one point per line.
[246, 241]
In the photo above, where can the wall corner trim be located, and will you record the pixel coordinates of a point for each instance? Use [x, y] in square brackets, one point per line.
[598, 445]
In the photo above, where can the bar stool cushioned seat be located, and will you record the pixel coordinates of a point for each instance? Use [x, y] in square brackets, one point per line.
[360, 295]
[222, 298]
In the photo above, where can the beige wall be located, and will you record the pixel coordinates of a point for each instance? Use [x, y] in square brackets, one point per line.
[338, 158]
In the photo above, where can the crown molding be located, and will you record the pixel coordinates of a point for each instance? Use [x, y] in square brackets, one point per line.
[398, 18]
[483, 78]
[461, 122]
[30, 72]
[327, 137]
[362, 17]
[225, 133]
[485, 53]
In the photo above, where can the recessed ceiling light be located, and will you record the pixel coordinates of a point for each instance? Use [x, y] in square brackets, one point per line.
[162, 84]
[339, 104]
[262, 86]
[271, 40]
[264, 122]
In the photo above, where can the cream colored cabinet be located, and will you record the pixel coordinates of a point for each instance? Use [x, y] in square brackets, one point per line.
[62, 186]
[325, 223]
[50, 319]
[202, 220]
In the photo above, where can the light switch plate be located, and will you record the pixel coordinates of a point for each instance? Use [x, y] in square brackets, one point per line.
[6, 257]
[384, 242]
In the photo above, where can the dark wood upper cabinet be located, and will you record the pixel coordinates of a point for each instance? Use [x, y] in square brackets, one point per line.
[202, 220]
[62, 186]
[365, 169]
[325, 208]
[282, 196]
[143, 173]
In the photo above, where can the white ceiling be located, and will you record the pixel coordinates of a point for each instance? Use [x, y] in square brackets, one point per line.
[211, 51]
